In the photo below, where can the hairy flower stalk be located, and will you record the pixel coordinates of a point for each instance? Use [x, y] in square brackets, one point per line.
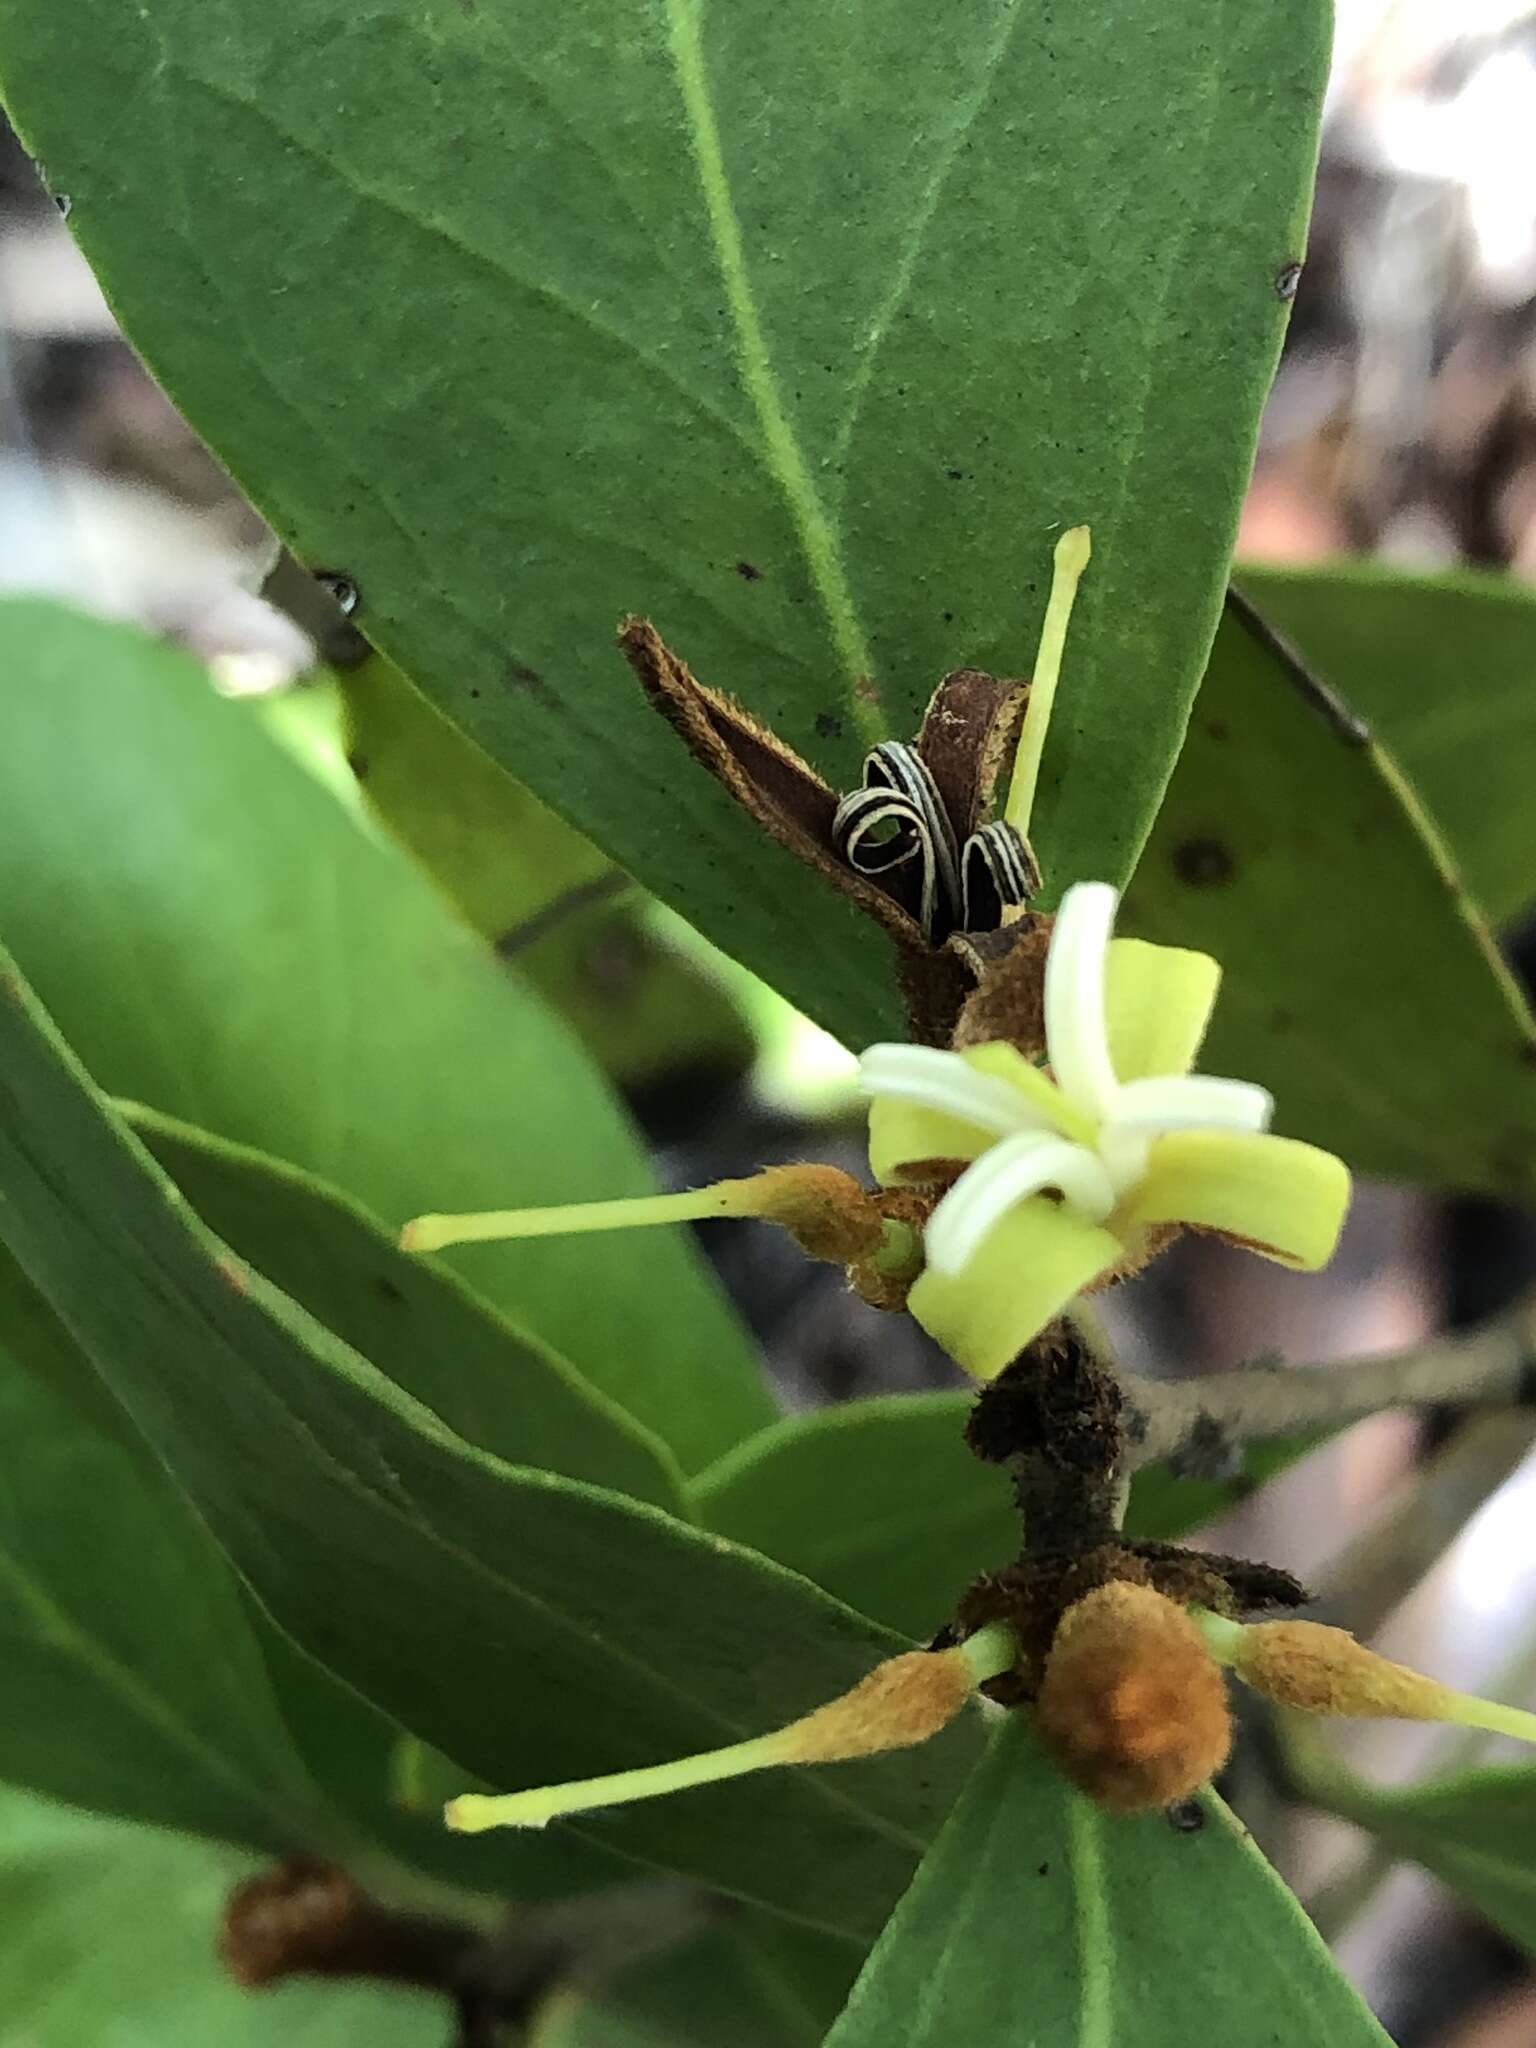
[825, 1209]
[902, 1701]
[1320, 1670]
[1071, 1175]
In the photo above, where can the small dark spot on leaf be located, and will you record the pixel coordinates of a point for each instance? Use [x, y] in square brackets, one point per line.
[749, 572]
[341, 588]
[386, 1287]
[948, 618]
[519, 676]
[1215, 729]
[955, 475]
[1044, 1870]
[1203, 863]
[474, 693]
[830, 727]
[357, 761]
[1287, 279]
[1281, 1020]
[1187, 1818]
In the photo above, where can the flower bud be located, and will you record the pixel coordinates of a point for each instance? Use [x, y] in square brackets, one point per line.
[1132, 1707]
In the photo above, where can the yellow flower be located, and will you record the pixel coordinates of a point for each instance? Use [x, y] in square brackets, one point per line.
[1070, 1171]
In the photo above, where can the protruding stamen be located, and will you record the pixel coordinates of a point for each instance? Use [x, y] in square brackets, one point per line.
[1071, 559]
[901, 1702]
[1076, 1032]
[1002, 1178]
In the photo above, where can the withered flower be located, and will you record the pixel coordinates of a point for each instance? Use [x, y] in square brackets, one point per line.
[915, 847]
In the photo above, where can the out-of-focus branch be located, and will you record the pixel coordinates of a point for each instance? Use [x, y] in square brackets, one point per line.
[1200, 1425]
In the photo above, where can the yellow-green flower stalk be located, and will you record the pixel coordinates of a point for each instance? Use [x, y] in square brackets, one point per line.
[902, 1701]
[1073, 1173]
[825, 1209]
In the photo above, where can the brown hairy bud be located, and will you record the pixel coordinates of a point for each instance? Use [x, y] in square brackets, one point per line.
[1132, 1707]
[305, 1917]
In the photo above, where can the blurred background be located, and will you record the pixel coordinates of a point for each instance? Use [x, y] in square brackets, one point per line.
[1402, 426]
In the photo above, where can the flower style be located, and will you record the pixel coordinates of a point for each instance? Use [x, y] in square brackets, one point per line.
[1073, 1175]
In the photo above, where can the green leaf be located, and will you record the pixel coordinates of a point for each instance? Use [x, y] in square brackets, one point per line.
[1474, 1831]
[530, 1627]
[413, 1319]
[497, 852]
[109, 1939]
[1038, 1918]
[224, 943]
[731, 1985]
[163, 1692]
[132, 1680]
[1444, 667]
[880, 1502]
[823, 426]
[572, 923]
[1361, 986]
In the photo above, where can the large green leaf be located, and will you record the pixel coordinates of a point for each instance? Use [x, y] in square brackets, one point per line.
[574, 924]
[1037, 1918]
[109, 1944]
[418, 1323]
[528, 1626]
[728, 1986]
[163, 1692]
[794, 325]
[223, 942]
[132, 1680]
[1444, 667]
[880, 1502]
[1361, 986]
[1475, 1831]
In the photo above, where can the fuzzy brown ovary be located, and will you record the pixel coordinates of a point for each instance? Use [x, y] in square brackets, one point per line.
[1132, 1707]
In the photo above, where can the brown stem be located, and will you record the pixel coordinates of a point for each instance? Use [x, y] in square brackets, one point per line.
[1201, 1424]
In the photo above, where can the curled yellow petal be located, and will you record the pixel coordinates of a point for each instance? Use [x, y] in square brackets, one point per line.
[1282, 1198]
[1158, 1001]
[1028, 1267]
[905, 1134]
